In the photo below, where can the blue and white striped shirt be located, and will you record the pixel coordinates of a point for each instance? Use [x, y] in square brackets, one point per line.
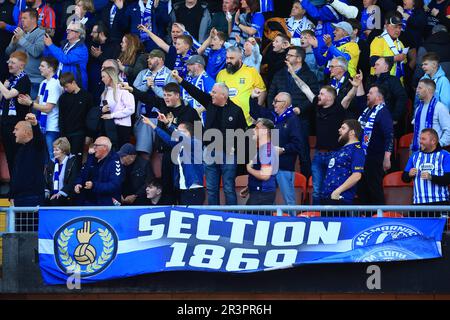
[437, 163]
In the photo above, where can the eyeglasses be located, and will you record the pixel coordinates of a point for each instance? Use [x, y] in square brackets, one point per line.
[71, 30]
[291, 55]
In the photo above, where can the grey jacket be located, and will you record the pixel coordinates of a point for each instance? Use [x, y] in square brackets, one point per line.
[32, 44]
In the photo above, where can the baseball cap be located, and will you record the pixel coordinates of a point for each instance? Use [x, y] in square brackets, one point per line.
[347, 27]
[395, 20]
[127, 150]
[196, 59]
[156, 53]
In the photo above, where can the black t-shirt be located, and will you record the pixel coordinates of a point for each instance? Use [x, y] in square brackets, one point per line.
[23, 86]
[73, 108]
[328, 122]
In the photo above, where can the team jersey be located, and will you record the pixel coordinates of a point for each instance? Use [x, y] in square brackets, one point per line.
[437, 163]
[205, 83]
[49, 92]
[265, 156]
[344, 162]
[216, 61]
[241, 85]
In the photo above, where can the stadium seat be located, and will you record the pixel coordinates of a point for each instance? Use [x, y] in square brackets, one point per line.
[284, 214]
[403, 149]
[408, 116]
[397, 192]
[241, 182]
[389, 214]
[309, 214]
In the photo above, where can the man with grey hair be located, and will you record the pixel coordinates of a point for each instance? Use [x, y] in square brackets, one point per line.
[340, 81]
[29, 39]
[100, 179]
[221, 114]
[73, 56]
[241, 80]
[289, 133]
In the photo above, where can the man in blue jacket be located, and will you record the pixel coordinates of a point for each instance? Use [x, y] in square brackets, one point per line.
[100, 179]
[288, 126]
[73, 56]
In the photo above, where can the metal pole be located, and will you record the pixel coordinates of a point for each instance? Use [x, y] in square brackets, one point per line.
[10, 220]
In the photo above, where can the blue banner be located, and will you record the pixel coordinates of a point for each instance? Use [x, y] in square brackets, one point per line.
[109, 244]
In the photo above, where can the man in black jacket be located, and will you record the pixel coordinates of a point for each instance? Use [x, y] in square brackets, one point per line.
[27, 180]
[396, 94]
[221, 114]
[283, 82]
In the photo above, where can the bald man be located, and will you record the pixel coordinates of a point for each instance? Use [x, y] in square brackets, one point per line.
[27, 181]
[101, 177]
[290, 141]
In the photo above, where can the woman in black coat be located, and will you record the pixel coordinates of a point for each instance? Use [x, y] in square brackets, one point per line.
[60, 174]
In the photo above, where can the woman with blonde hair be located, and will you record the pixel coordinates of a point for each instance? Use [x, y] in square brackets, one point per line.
[60, 174]
[132, 58]
[84, 14]
[118, 105]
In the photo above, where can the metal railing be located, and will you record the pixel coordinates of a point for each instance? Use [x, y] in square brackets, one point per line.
[25, 219]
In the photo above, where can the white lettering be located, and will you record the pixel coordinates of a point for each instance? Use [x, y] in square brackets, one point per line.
[204, 223]
[145, 224]
[280, 232]
[318, 231]
[176, 224]
[238, 229]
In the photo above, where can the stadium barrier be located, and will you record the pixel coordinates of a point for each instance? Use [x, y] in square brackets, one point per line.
[25, 219]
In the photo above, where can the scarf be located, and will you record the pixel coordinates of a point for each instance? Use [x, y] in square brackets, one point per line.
[56, 174]
[296, 27]
[112, 14]
[42, 116]
[396, 49]
[338, 84]
[146, 18]
[12, 102]
[428, 121]
[338, 43]
[409, 12]
[286, 114]
[180, 63]
[367, 119]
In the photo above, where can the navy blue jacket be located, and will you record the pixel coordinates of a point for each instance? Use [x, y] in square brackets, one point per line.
[289, 134]
[192, 171]
[382, 139]
[106, 176]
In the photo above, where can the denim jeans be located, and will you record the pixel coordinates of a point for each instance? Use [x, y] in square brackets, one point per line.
[213, 172]
[285, 180]
[319, 170]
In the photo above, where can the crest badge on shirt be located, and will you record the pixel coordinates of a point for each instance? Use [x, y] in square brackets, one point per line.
[331, 163]
[230, 119]
[241, 80]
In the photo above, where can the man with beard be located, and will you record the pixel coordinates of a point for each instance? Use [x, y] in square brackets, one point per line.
[329, 116]
[430, 170]
[102, 48]
[241, 80]
[345, 167]
[199, 78]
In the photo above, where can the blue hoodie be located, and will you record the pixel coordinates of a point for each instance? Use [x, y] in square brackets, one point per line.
[442, 92]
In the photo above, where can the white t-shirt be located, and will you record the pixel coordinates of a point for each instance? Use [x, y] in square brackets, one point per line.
[49, 92]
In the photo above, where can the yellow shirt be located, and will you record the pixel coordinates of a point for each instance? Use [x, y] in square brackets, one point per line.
[241, 85]
[379, 47]
[352, 49]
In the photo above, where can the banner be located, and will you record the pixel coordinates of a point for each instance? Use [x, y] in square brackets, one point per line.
[109, 244]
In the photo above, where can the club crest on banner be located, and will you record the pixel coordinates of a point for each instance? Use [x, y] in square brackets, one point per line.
[85, 245]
